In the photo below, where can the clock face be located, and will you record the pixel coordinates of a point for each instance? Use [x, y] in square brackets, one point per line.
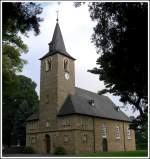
[67, 76]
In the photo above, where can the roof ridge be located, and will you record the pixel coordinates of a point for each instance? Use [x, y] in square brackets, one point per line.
[90, 92]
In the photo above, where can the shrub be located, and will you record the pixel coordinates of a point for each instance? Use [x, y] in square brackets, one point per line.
[59, 151]
[28, 149]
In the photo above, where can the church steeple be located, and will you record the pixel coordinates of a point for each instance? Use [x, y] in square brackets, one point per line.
[57, 44]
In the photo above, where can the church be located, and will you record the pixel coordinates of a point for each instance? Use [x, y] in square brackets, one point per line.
[70, 117]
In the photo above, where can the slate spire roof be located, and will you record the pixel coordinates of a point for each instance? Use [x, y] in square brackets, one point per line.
[57, 44]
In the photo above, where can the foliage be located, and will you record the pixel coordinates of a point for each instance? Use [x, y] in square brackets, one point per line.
[17, 107]
[121, 39]
[28, 150]
[18, 18]
[141, 137]
[60, 151]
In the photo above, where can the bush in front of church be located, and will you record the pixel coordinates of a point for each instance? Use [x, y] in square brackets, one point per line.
[59, 151]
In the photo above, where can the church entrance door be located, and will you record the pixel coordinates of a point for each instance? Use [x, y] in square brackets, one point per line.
[105, 147]
[47, 143]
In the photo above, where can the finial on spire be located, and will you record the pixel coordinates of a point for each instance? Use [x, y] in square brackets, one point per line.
[57, 11]
[57, 16]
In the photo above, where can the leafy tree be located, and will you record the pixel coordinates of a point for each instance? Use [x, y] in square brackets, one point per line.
[17, 108]
[121, 39]
[17, 18]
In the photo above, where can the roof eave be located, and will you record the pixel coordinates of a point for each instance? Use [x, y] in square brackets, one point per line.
[57, 52]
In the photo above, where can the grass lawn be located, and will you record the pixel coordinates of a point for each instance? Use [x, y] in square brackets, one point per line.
[138, 153]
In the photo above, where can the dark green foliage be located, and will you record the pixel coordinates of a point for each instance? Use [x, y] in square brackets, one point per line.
[17, 18]
[20, 17]
[19, 96]
[17, 107]
[141, 136]
[121, 39]
[59, 151]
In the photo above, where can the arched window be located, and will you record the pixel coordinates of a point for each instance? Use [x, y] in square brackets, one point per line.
[117, 132]
[103, 131]
[48, 64]
[128, 133]
[66, 65]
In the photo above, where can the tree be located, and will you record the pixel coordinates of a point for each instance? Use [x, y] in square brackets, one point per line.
[17, 18]
[17, 107]
[121, 39]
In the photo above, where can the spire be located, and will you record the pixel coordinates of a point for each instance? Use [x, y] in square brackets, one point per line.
[57, 43]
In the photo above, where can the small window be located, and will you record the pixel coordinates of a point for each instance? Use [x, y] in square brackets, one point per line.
[85, 138]
[47, 124]
[128, 133]
[66, 139]
[47, 98]
[117, 132]
[33, 140]
[103, 131]
[66, 65]
[48, 64]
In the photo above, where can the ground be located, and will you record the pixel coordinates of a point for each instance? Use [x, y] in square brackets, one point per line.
[139, 153]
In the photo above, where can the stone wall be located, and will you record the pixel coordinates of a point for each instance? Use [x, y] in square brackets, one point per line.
[75, 133]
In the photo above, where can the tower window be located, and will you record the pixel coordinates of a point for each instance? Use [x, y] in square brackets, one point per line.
[48, 64]
[66, 65]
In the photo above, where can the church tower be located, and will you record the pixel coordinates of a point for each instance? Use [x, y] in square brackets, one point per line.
[57, 80]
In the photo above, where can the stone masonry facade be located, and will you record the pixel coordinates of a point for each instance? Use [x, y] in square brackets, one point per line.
[72, 130]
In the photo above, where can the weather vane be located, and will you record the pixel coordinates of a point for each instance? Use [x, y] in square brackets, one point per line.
[57, 11]
[57, 15]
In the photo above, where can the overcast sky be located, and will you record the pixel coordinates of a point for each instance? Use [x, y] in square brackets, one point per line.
[76, 27]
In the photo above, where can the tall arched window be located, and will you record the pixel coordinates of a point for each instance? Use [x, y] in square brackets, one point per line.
[66, 65]
[48, 64]
[103, 131]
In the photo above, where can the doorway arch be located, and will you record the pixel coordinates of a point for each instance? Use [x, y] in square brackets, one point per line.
[105, 145]
[47, 143]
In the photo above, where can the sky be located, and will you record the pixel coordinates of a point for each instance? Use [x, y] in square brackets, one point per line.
[76, 27]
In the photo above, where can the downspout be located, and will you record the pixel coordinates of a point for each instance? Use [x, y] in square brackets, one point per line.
[124, 138]
[94, 134]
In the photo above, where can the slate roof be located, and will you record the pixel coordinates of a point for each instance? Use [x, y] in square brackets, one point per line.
[79, 104]
[103, 107]
[57, 44]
